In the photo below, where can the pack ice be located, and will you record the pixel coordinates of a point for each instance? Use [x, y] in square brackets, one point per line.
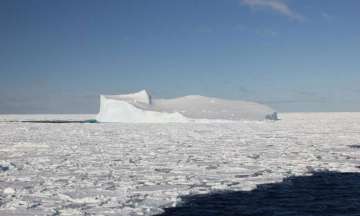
[140, 107]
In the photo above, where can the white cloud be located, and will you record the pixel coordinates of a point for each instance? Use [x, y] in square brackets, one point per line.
[278, 6]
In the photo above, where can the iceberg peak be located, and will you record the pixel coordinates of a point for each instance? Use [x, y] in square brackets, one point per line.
[138, 97]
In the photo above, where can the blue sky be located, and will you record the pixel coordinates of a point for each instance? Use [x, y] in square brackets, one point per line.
[58, 56]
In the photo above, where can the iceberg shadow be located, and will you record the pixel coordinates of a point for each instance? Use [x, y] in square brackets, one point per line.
[320, 194]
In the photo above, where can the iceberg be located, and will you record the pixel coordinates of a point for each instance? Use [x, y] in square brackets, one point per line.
[140, 107]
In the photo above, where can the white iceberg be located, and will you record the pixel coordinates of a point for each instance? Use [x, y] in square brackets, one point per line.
[140, 107]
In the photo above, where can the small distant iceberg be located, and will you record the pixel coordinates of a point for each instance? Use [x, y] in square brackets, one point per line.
[140, 107]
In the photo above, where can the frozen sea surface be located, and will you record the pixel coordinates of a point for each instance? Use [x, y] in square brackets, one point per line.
[139, 169]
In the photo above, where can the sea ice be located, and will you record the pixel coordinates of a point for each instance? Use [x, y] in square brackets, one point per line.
[138, 169]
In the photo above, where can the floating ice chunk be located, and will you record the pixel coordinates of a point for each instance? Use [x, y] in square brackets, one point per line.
[273, 116]
[70, 212]
[140, 107]
[9, 191]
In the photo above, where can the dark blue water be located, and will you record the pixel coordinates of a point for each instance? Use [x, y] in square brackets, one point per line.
[322, 194]
[56, 121]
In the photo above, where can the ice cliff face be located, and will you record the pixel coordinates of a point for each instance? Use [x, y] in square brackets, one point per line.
[140, 107]
[127, 109]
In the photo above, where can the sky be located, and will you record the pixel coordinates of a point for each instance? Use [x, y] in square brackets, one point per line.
[295, 56]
